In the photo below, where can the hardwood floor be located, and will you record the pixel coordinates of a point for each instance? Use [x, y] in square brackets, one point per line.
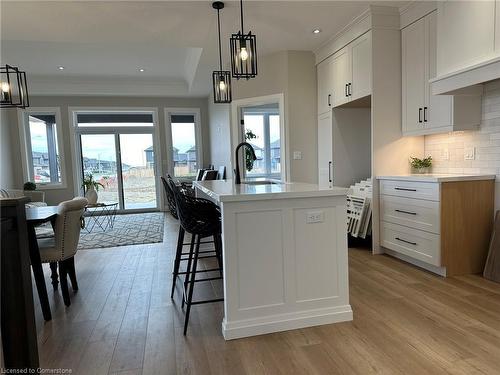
[406, 321]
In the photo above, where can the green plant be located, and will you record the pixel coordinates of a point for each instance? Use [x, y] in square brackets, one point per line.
[421, 163]
[29, 186]
[248, 154]
[89, 182]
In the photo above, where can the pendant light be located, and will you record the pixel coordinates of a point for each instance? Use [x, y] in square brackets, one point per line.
[243, 52]
[221, 79]
[13, 88]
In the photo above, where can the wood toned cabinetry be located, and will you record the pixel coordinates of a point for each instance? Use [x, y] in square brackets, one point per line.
[422, 112]
[442, 224]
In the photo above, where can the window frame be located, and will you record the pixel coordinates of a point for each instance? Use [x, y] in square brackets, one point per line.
[27, 156]
[196, 112]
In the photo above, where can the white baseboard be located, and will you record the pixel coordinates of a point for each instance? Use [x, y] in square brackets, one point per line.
[285, 322]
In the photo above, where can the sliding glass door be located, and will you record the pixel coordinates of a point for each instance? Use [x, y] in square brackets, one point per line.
[118, 149]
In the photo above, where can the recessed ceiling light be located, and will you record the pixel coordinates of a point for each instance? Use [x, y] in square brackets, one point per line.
[316, 31]
[141, 69]
[60, 67]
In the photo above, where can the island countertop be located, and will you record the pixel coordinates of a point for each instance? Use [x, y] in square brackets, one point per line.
[434, 177]
[228, 191]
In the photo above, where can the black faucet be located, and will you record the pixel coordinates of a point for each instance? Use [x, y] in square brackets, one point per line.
[237, 178]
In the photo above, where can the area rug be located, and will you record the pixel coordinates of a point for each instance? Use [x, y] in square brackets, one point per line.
[130, 229]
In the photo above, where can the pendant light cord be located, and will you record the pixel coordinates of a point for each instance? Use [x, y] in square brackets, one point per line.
[241, 15]
[220, 45]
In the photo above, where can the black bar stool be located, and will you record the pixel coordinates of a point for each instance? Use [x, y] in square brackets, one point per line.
[200, 218]
[179, 255]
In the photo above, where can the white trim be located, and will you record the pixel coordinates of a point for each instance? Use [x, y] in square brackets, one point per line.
[260, 100]
[25, 158]
[74, 141]
[198, 134]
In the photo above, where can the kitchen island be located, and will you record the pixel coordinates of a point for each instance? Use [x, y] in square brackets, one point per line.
[284, 255]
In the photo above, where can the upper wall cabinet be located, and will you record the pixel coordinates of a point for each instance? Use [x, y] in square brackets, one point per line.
[346, 75]
[497, 28]
[422, 112]
[325, 86]
[466, 34]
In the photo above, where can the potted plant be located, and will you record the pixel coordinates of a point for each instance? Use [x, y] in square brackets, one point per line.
[91, 187]
[29, 186]
[421, 165]
[249, 134]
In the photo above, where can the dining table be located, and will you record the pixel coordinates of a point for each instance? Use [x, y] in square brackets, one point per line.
[36, 216]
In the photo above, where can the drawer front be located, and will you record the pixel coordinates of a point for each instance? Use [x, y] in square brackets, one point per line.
[413, 213]
[408, 189]
[414, 243]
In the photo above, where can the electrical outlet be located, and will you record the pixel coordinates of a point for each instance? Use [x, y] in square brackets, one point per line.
[297, 155]
[445, 154]
[315, 217]
[469, 153]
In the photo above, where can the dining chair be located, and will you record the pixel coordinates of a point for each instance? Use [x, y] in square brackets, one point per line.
[60, 250]
[221, 175]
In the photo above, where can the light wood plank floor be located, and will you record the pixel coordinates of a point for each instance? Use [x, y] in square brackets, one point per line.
[406, 321]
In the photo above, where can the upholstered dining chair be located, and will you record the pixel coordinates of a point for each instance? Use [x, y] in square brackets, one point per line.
[61, 249]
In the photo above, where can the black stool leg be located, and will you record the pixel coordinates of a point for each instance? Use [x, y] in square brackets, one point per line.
[188, 267]
[54, 276]
[191, 286]
[63, 273]
[70, 263]
[177, 260]
[218, 250]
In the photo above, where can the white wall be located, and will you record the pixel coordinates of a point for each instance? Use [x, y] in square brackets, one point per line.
[219, 134]
[8, 127]
[57, 195]
[292, 73]
[486, 141]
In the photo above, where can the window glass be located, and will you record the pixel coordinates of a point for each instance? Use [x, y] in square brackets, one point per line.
[184, 153]
[45, 163]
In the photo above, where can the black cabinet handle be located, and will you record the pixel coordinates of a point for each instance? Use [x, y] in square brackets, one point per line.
[406, 212]
[405, 189]
[346, 90]
[420, 115]
[329, 171]
[350, 88]
[411, 243]
[425, 114]
[329, 103]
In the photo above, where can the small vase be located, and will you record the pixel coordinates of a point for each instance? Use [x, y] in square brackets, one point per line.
[91, 195]
[423, 170]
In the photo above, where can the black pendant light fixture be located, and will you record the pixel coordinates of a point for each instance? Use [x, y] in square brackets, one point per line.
[243, 52]
[221, 79]
[13, 88]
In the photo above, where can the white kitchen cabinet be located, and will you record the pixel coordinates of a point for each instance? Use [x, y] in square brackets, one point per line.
[325, 85]
[466, 34]
[497, 27]
[422, 112]
[325, 151]
[352, 67]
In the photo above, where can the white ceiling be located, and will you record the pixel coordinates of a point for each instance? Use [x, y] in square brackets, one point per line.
[103, 44]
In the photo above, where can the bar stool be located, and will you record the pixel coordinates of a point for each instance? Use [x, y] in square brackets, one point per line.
[200, 218]
[179, 255]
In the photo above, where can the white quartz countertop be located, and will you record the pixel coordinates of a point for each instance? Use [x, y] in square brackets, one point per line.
[227, 191]
[439, 177]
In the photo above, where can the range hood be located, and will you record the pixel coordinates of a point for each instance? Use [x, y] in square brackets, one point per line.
[467, 81]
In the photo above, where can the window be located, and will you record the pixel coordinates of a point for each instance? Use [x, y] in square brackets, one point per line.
[41, 137]
[261, 128]
[185, 151]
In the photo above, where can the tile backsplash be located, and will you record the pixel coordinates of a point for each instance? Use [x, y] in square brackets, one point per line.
[448, 150]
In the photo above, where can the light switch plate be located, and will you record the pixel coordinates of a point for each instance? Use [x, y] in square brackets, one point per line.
[469, 153]
[315, 217]
[297, 155]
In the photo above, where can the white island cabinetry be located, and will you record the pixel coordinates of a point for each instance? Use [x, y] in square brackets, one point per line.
[284, 256]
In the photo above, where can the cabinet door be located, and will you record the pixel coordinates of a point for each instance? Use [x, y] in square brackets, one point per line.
[413, 79]
[325, 151]
[466, 31]
[361, 60]
[497, 28]
[437, 108]
[341, 76]
[325, 85]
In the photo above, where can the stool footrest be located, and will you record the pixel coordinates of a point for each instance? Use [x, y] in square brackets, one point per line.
[202, 257]
[207, 301]
[201, 271]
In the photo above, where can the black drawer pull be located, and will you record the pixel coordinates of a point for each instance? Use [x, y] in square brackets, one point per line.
[405, 189]
[406, 212]
[411, 243]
